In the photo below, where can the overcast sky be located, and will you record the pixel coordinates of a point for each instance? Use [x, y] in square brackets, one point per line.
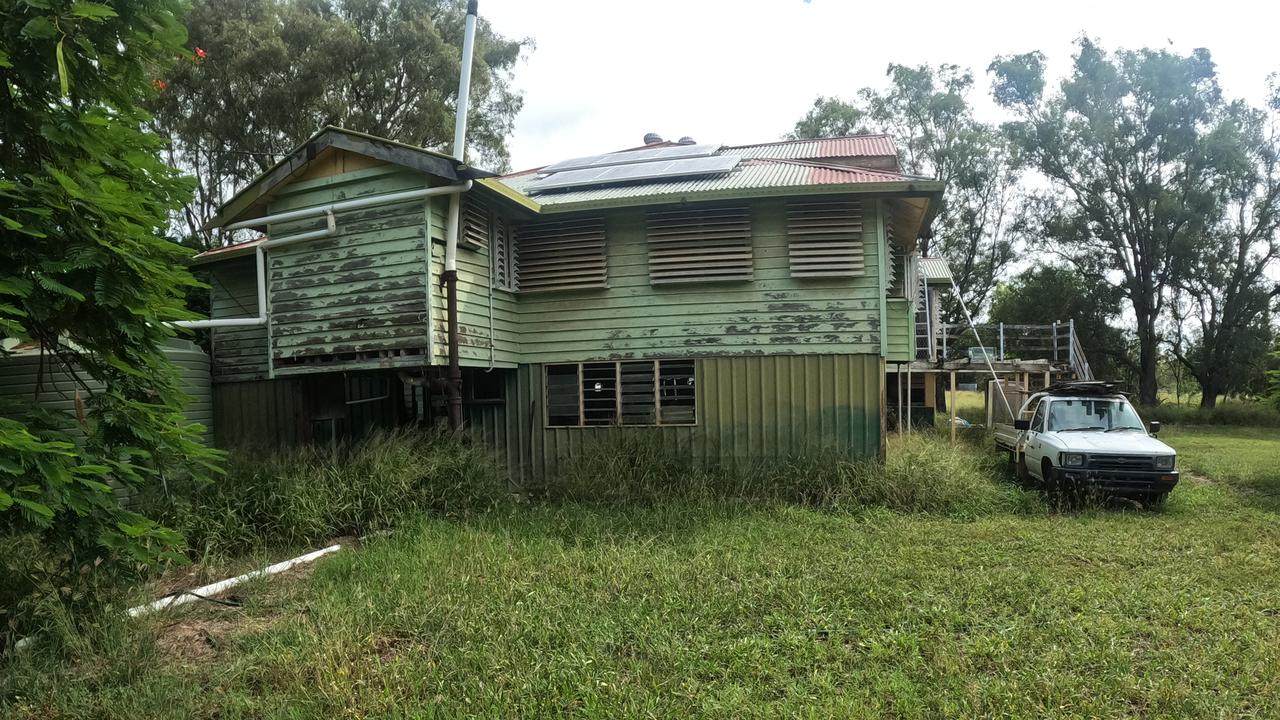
[604, 73]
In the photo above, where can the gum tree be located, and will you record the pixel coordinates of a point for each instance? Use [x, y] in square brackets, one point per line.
[1125, 142]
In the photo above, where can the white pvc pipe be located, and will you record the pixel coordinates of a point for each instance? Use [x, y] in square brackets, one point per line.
[451, 233]
[464, 82]
[222, 586]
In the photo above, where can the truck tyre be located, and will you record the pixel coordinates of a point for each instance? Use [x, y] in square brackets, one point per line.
[1047, 481]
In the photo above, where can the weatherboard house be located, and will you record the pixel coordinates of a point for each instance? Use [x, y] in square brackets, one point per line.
[739, 303]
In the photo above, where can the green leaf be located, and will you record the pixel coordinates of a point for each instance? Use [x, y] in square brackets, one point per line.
[39, 28]
[40, 509]
[64, 77]
[95, 485]
[66, 182]
[54, 286]
[91, 10]
[4, 60]
[6, 500]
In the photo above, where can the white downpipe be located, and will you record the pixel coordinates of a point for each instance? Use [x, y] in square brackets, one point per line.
[464, 82]
[222, 586]
[451, 233]
[460, 136]
[331, 228]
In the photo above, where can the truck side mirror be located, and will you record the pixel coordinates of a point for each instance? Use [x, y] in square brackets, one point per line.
[1021, 424]
[1155, 427]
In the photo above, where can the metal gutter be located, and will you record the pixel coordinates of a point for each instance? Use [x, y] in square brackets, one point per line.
[510, 193]
[900, 189]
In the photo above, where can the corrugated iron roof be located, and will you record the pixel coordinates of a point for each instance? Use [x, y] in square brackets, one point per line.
[749, 175]
[935, 270]
[851, 146]
[782, 164]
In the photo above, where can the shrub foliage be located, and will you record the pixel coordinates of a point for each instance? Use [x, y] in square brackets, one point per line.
[85, 274]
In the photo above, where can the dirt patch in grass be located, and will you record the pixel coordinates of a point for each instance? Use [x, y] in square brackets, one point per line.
[192, 641]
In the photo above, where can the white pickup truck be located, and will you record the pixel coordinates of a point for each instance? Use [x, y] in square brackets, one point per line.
[1086, 436]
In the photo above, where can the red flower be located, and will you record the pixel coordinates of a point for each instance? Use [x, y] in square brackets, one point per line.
[160, 84]
[201, 54]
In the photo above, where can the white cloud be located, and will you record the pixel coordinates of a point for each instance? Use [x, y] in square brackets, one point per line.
[604, 73]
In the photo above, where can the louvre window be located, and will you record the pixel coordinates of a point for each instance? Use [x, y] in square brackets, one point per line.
[703, 245]
[824, 238]
[633, 392]
[502, 256]
[561, 255]
[477, 222]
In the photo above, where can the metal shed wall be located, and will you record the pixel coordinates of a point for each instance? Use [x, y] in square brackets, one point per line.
[750, 408]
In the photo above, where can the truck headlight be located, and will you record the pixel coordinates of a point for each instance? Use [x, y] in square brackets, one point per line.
[1073, 459]
[1164, 462]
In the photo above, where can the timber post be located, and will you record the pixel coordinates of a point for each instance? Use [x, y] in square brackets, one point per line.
[952, 409]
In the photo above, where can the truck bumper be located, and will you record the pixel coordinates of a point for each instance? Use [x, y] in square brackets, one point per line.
[1116, 483]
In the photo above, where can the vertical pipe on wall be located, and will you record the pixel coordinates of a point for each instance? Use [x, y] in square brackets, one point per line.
[450, 275]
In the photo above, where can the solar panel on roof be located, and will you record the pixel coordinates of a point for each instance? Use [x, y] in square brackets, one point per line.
[634, 156]
[636, 171]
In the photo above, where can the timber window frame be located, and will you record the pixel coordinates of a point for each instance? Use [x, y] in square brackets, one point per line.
[699, 245]
[560, 254]
[825, 238]
[626, 393]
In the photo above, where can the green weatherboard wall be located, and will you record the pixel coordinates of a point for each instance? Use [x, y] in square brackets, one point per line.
[750, 408]
[773, 313]
[786, 363]
[367, 289]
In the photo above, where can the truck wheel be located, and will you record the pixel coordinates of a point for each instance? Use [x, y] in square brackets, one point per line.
[1047, 481]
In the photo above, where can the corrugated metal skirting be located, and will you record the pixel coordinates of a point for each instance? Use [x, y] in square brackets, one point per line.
[749, 409]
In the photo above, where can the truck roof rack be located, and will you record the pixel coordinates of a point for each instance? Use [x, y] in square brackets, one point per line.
[1083, 387]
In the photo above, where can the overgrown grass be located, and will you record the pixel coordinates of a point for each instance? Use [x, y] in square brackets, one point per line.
[921, 474]
[1245, 458]
[310, 495]
[1234, 413]
[708, 605]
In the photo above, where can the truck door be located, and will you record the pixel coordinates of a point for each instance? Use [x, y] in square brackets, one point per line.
[1033, 448]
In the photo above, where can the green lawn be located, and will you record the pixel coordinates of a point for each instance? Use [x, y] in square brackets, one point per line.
[727, 609]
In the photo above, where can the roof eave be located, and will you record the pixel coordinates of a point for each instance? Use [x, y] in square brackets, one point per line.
[928, 188]
[510, 193]
[230, 253]
[428, 161]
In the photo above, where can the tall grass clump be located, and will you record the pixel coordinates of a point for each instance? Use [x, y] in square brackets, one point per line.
[921, 473]
[313, 494]
[1232, 413]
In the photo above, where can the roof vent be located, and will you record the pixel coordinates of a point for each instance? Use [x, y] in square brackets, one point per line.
[686, 140]
[652, 138]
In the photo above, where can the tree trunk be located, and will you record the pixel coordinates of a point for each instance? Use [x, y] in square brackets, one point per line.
[1148, 355]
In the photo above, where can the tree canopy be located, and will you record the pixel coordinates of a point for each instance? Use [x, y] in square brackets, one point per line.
[268, 73]
[1131, 142]
[929, 113]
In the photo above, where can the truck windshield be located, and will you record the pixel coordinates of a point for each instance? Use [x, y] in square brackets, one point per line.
[1092, 414]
